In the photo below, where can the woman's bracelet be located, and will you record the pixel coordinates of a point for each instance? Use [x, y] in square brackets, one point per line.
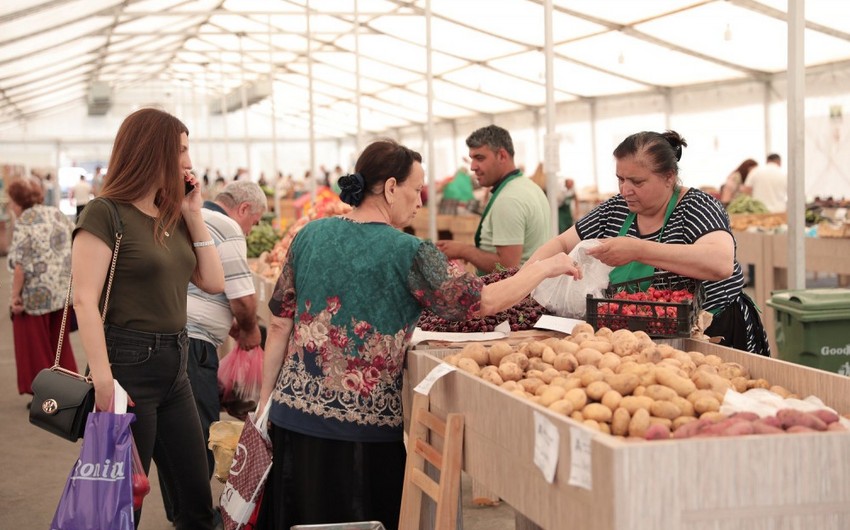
[207, 243]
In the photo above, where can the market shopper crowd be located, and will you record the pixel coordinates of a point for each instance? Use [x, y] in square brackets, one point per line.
[344, 306]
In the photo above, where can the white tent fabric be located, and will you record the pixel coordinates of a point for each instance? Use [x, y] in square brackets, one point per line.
[338, 70]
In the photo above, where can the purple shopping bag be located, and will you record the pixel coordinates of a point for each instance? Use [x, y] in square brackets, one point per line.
[99, 492]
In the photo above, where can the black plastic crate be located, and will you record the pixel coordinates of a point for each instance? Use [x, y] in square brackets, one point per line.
[656, 318]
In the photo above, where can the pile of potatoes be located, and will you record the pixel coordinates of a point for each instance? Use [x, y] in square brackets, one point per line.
[618, 382]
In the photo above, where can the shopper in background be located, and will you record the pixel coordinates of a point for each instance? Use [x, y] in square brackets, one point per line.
[655, 225]
[515, 221]
[143, 344]
[736, 180]
[82, 194]
[769, 184]
[211, 317]
[344, 309]
[40, 261]
[567, 199]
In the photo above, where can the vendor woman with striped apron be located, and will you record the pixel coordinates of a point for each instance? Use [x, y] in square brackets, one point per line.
[657, 226]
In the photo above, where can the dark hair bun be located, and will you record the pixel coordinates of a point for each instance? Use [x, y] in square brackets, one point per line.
[676, 141]
[351, 188]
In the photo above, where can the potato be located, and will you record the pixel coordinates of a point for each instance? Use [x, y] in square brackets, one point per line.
[701, 393]
[582, 327]
[681, 385]
[624, 346]
[791, 418]
[623, 383]
[762, 427]
[510, 386]
[566, 383]
[565, 346]
[517, 358]
[577, 415]
[706, 380]
[655, 420]
[713, 360]
[665, 409]
[837, 427]
[491, 376]
[691, 428]
[639, 423]
[593, 424]
[551, 395]
[562, 406]
[519, 392]
[684, 405]
[634, 403]
[510, 371]
[597, 412]
[712, 415]
[597, 389]
[706, 404]
[660, 392]
[468, 365]
[577, 397]
[611, 399]
[799, 428]
[781, 391]
[604, 428]
[537, 363]
[578, 338]
[621, 334]
[535, 349]
[565, 362]
[697, 357]
[640, 390]
[665, 350]
[451, 359]
[591, 376]
[740, 428]
[739, 384]
[538, 391]
[549, 375]
[548, 355]
[620, 422]
[826, 416]
[531, 384]
[610, 361]
[657, 432]
[588, 356]
[602, 346]
[731, 370]
[681, 420]
[498, 351]
[477, 352]
[758, 383]
[650, 354]
[605, 333]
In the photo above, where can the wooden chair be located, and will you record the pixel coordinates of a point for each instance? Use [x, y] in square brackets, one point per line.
[446, 491]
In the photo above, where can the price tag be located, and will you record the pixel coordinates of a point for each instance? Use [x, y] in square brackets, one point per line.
[424, 386]
[580, 458]
[546, 440]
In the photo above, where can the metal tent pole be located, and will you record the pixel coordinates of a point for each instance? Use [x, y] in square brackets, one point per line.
[432, 184]
[796, 145]
[551, 156]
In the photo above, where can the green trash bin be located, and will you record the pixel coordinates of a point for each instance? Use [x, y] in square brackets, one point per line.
[813, 328]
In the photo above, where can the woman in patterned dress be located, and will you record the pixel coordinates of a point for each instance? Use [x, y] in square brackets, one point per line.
[344, 309]
[40, 262]
[672, 230]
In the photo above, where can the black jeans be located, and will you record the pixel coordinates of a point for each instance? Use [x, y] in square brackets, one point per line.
[152, 369]
[202, 368]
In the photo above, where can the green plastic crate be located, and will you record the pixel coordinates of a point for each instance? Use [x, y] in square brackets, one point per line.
[813, 328]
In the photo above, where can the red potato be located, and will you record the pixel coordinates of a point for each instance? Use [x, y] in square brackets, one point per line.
[763, 427]
[740, 428]
[692, 428]
[826, 416]
[791, 418]
[837, 427]
[799, 428]
[657, 431]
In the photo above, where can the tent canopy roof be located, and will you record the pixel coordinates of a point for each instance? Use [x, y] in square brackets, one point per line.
[485, 59]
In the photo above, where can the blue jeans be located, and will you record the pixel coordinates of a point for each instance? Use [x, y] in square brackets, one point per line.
[152, 368]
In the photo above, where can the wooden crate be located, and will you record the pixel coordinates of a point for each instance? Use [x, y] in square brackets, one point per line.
[789, 482]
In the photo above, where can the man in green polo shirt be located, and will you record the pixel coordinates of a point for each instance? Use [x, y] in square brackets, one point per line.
[516, 219]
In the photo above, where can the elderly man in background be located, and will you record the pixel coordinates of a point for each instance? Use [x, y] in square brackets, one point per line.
[229, 217]
[515, 221]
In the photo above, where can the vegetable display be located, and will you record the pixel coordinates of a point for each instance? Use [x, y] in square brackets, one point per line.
[623, 384]
[261, 238]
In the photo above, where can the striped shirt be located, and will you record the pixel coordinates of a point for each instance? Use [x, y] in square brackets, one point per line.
[209, 315]
[696, 215]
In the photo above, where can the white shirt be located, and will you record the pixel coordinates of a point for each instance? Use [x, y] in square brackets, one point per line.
[82, 191]
[770, 186]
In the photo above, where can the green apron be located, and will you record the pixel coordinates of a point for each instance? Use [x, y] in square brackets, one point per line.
[494, 192]
[635, 269]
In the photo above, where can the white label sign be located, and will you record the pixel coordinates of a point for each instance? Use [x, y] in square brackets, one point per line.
[424, 386]
[546, 441]
[580, 458]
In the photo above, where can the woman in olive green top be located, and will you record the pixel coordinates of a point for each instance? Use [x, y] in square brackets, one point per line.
[143, 344]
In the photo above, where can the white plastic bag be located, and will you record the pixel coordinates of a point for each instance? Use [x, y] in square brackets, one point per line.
[567, 297]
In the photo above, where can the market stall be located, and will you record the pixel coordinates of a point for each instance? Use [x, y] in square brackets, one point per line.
[602, 482]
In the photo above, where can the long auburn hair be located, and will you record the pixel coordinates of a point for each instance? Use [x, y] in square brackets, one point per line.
[146, 155]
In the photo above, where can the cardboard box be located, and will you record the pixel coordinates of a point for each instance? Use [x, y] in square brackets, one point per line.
[789, 482]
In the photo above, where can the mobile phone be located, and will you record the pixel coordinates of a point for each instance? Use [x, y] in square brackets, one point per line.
[188, 186]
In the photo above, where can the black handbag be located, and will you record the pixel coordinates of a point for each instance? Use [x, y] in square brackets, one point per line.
[62, 399]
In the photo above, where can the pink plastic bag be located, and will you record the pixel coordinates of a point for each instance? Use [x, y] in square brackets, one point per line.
[240, 375]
